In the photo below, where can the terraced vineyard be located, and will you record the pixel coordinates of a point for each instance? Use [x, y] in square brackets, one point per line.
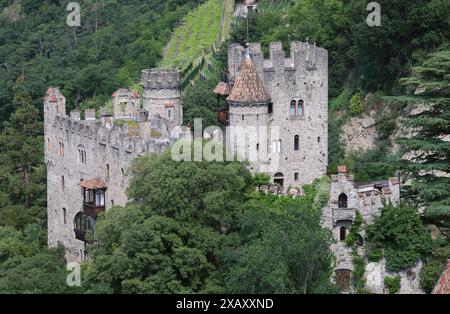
[197, 36]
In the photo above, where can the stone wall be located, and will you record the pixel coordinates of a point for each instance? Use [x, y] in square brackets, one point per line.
[108, 151]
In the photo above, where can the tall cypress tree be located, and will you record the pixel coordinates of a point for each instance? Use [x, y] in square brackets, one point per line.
[21, 152]
[430, 144]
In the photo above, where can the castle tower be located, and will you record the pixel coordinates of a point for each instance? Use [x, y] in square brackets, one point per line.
[126, 103]
[293, 107]
[162, 94]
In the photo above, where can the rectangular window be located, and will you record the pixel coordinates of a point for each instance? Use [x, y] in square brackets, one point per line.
[270, 108]
[295, 176]
[100, 198]
[276, 146]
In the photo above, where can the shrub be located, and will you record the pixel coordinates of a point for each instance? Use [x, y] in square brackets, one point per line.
[375, 256]
[393, 284]
[261, 179]
[358, 272]
[356, 106]
[429, 275]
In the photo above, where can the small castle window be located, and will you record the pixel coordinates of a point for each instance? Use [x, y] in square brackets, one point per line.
[63, 183]
[296, 176]
[82, 154]
[278, 179]
[243, 117]
[342, 200]
[48, 144]
[64, 216]
[360, 240]
[296, 108]
[300, 107]
[342, 233]
[100, 198]
[296, 142]
[257, 146]
[318, 139]
[270, 108]
[293, 108]
[123, 175]
[107, 172]
[61, 149]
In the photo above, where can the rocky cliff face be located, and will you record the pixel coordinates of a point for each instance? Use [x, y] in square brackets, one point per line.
[359, 133]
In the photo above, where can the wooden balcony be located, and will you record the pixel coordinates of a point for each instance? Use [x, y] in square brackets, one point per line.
[92, 210]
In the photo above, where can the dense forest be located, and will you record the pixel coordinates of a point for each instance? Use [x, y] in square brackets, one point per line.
[217, 238]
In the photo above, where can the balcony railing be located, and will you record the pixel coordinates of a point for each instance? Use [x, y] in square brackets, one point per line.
[92, 210]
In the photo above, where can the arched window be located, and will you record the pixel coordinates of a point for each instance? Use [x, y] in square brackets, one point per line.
[342, 201]
[360, 240]
[300, 107]
[293, 108]
[82, 224]
[342, 233]
[278, 178]
[81, 154]
[296, 107]
[296, 142]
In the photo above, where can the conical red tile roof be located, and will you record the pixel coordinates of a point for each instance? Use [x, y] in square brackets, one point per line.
[248, 88]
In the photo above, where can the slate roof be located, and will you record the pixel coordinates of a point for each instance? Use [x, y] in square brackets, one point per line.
[222, 89]
[248, 88]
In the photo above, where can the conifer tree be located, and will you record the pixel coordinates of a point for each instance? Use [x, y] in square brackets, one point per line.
[21, 152]
[430, 144]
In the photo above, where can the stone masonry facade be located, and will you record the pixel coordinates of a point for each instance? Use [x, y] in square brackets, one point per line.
[88, 159]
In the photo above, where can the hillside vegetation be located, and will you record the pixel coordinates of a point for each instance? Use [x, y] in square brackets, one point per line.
[209, 232]
[197, 37]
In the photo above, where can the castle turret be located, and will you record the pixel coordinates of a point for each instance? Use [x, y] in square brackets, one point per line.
[54, 103]
[162, 94]
[289, 96]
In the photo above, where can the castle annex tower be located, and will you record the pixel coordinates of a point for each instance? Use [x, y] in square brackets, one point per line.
[162, 94]
[288, 96]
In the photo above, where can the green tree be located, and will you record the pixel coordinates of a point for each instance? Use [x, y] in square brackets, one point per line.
[26, 267]
[281, 247]
[21, 163]
[168, 238]
[429, 166]
[399, 233]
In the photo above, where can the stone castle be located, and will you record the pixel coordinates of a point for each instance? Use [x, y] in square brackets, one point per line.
[88, 159]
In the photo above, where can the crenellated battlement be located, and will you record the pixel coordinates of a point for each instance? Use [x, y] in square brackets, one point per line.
[161, 79]
[302, 56]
